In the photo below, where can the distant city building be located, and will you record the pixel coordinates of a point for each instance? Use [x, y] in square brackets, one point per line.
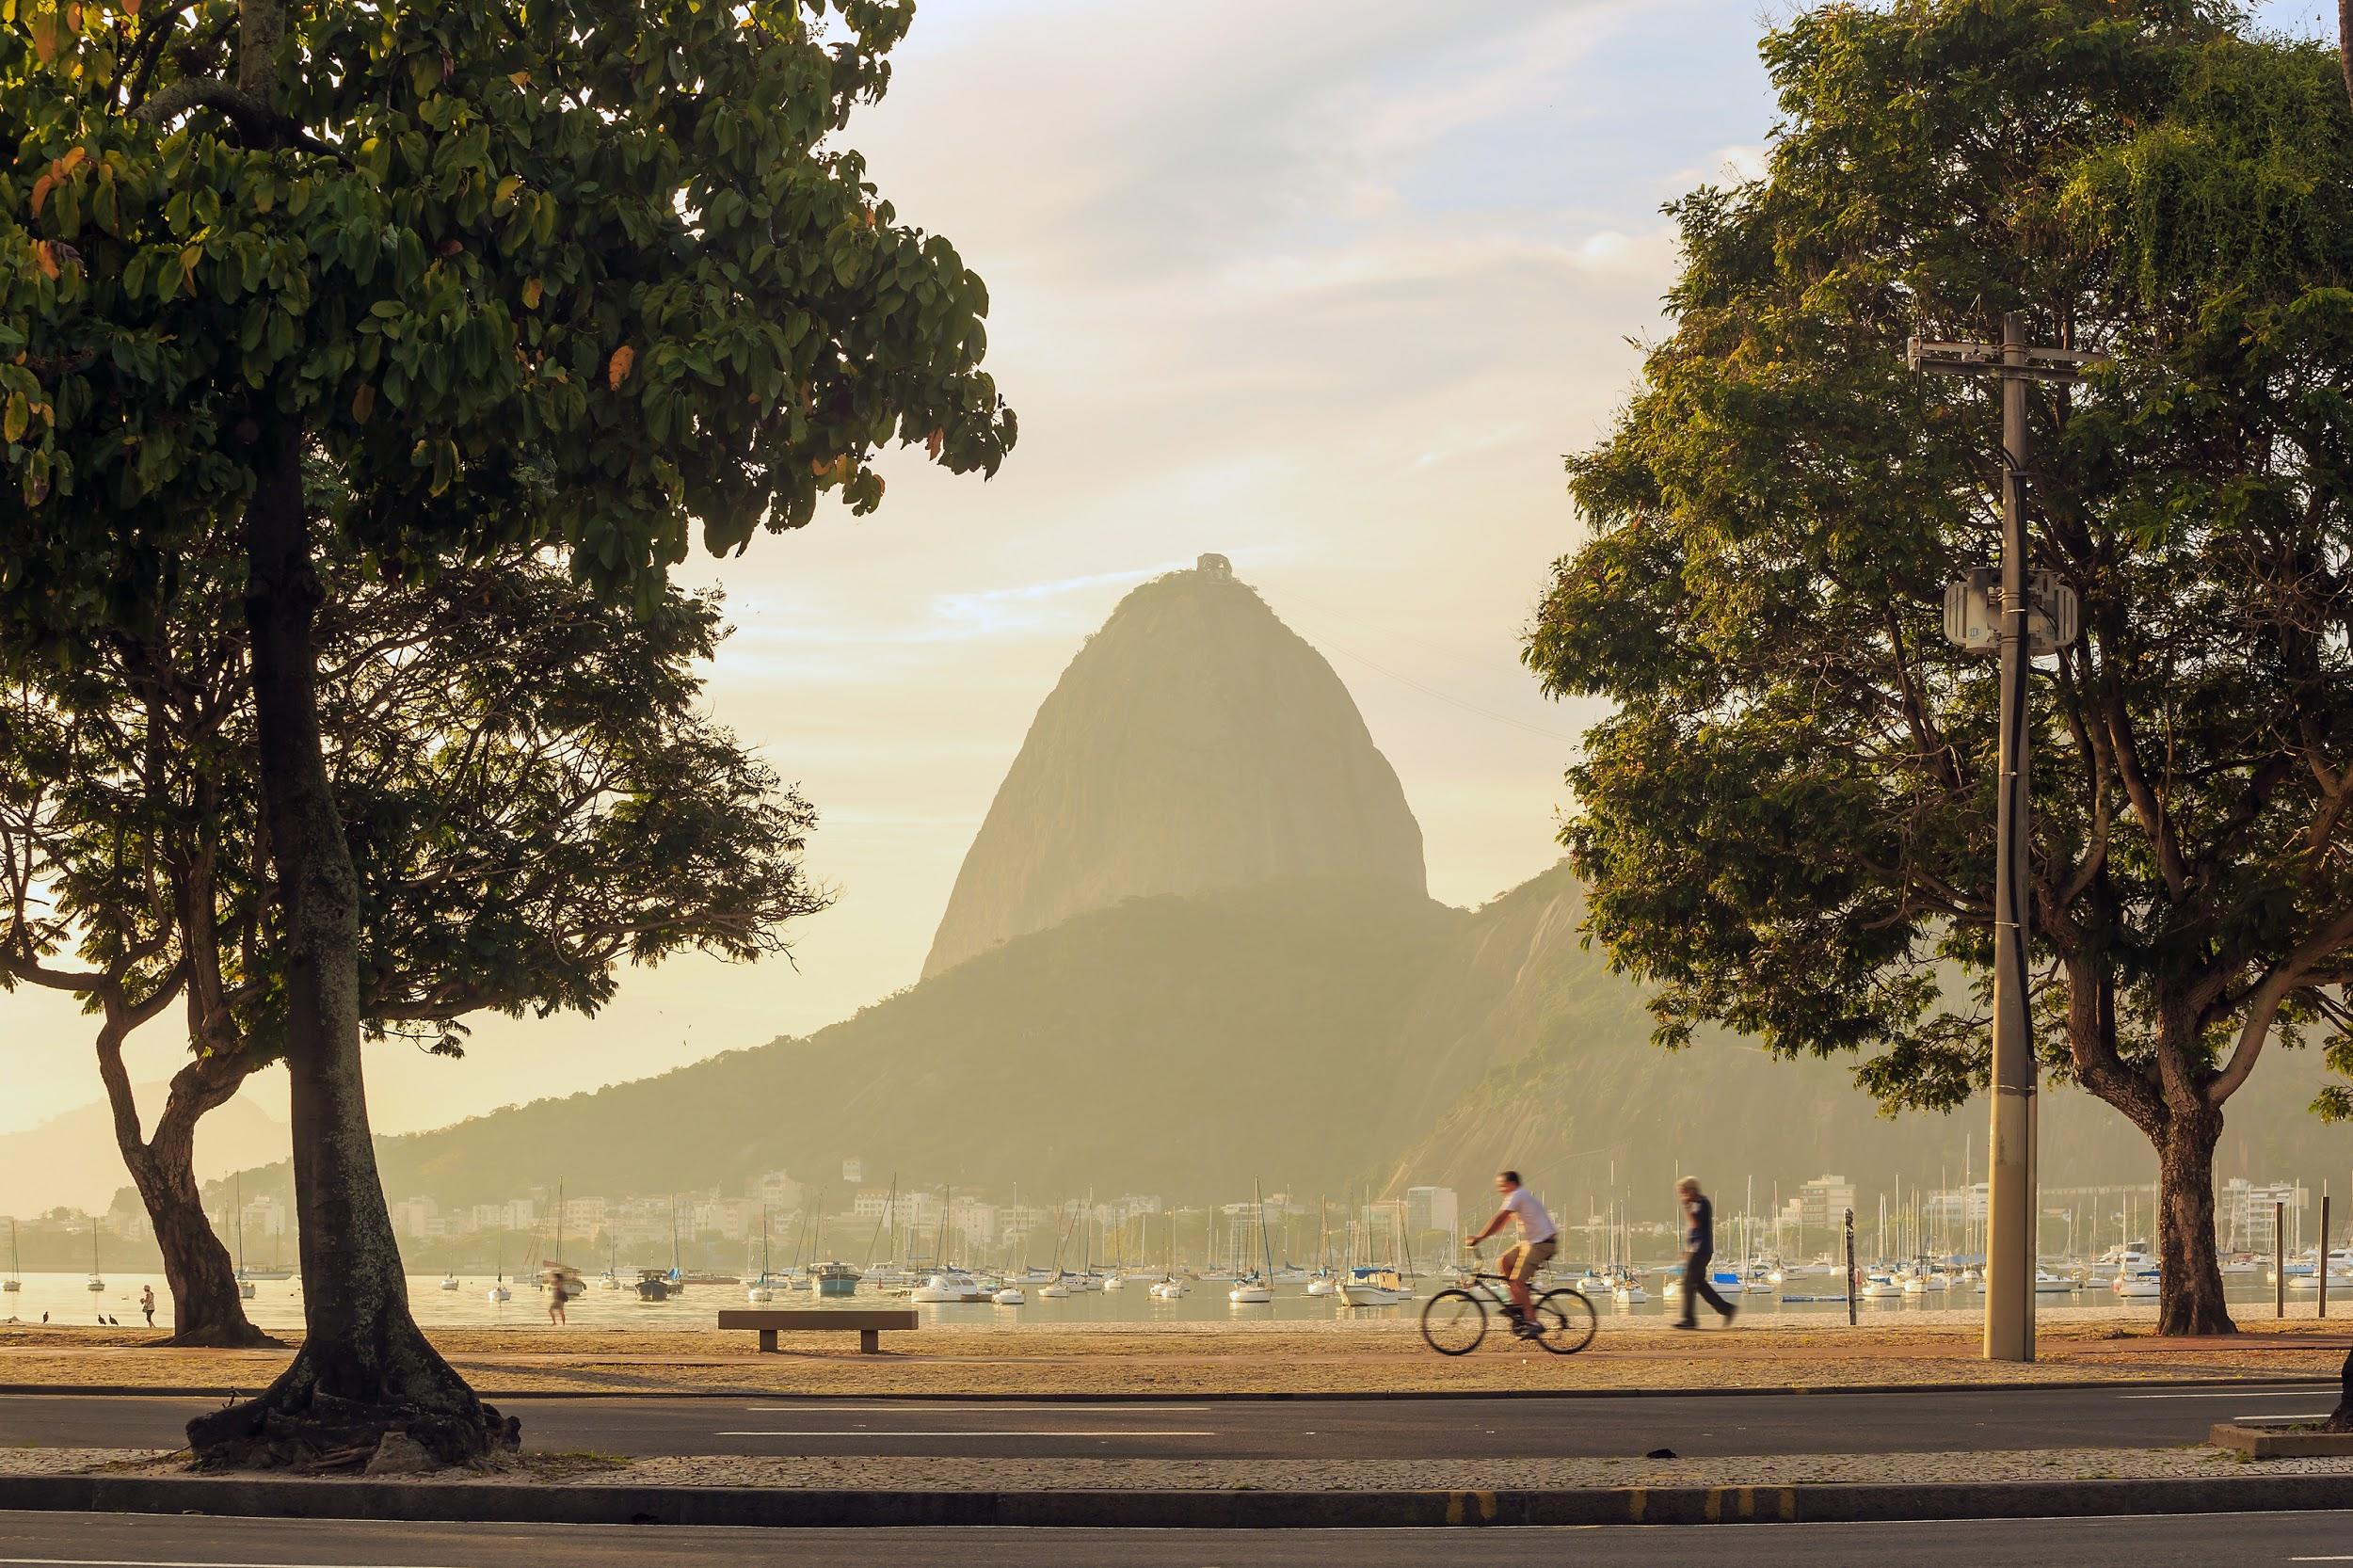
[1820, 1203]
[853, 1171]
[1430, 1208]
[2248, 1213]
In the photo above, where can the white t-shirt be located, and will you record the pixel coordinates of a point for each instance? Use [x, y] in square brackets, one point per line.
[1535, 1224]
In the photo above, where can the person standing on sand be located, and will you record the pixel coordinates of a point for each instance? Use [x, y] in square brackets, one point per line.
[555, 1299]
[1699, 1249]
[147, 1303]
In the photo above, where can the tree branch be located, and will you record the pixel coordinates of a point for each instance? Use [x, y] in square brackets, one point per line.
[2285, 978]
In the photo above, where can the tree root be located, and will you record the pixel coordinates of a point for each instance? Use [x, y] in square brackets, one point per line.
[325, 1435]
[243, 1336]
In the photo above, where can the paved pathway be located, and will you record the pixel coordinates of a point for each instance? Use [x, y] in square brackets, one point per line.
[1943, 1421]
[131, 1541]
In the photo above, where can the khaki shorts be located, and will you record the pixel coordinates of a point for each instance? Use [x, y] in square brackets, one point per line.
[1523, 1259]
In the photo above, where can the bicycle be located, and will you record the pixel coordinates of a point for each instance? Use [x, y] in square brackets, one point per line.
[1455, 1322]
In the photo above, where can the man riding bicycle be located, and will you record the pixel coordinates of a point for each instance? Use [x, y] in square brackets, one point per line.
[1537, 1242]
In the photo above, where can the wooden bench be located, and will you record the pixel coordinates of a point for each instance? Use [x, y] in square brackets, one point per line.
[769, 1322]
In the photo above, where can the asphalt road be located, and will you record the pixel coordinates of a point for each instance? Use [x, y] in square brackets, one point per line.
[1288, 1428]
[2189, 1541]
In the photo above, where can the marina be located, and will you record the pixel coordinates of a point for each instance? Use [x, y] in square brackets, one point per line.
[1141, 1297]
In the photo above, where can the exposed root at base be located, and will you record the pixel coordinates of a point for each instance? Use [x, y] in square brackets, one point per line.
[329, 1435]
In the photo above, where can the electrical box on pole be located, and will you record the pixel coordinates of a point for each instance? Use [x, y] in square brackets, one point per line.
[1972, 612]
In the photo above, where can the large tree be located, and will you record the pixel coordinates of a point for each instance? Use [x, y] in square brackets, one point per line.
[531, 790]
[581, 274]
[1788, 816]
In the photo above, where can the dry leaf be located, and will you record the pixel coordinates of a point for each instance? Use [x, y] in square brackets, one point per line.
[937, 438]
[40, 192]
[616, 369]
[531, 293]
[363, 402]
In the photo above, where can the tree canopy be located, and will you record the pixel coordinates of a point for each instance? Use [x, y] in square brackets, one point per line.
[576, 275]
[1788, 816]
[534, 798]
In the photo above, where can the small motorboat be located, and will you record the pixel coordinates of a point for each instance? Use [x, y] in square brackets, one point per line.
[1009, 1296]
[1374, 1287]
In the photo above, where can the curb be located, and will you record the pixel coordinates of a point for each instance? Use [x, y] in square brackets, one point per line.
[502, 1396]
[483, 1502]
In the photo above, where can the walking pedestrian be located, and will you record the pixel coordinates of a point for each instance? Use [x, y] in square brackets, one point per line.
[147, 1303]
[556, 1288]
[1699, 1250]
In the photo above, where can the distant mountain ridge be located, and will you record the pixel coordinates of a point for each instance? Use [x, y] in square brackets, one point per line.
[1196, 743]
[1191, 950]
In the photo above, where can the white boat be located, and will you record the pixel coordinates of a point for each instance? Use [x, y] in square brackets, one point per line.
[1056, 1289]
[1630, 1292]
[1590, 1285]
[757, 1293]
[2137, 1284]
[1670, 1289]
[1374, 1287]
[946, 1288]
[1321, 1285]
[1009, 1296]
[449, 1282]
[498, 1293]
[1881, 1288]
[1170, 1290]
[1250, 1290]
[2049, 1283]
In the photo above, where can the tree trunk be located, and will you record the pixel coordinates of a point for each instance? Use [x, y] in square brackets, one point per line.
[364, 1367]
[2189, 1278]
[2344, 42]
[205, 1308]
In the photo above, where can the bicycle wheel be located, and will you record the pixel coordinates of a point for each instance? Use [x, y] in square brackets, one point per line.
[1455, 1322]
[1567, 1320]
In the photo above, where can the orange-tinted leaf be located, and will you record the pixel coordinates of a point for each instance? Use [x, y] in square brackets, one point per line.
[617, 368]
[363, 402]
[40, 192]
[937, 438]
[45, 258]
[531, 293]
[130, 8]
[47, 37]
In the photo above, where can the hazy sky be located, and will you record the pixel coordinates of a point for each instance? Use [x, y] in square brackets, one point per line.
[1329, 286]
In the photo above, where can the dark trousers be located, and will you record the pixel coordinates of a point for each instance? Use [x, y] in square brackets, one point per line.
[1696, 1289]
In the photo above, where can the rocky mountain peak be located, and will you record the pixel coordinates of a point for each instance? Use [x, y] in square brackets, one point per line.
[1196, 743]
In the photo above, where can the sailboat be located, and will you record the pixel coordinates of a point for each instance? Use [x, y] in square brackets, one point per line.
[95, 1283]
[760, 1289]
[245, 1286]
[1373, 1285]
[1320, 1282]
[13, 1283]
[1254, 1288]
[498, 1290]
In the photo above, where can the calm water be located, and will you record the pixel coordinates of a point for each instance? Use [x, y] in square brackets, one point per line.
[278, 1304]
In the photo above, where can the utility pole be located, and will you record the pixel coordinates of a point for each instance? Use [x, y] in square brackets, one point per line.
[2031, 613]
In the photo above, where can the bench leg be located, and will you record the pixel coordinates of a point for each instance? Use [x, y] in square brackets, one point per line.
[767, 1341]
[869, 1341]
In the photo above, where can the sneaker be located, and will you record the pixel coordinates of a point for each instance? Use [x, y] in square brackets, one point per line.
[1730, 1313]
[1683, 1325]
[1527, 1330]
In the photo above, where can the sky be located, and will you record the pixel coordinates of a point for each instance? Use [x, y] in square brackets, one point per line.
[1327, 287]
